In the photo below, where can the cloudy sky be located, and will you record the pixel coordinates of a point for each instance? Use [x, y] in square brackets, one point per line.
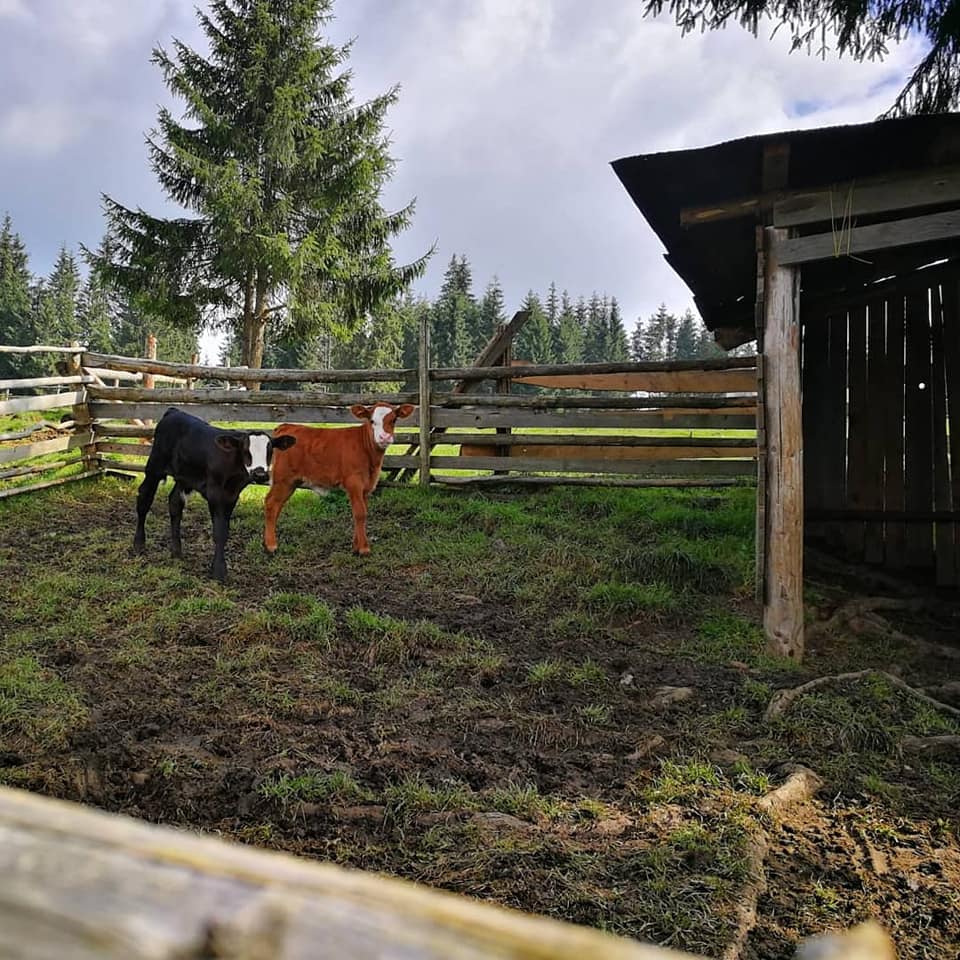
[510, 113]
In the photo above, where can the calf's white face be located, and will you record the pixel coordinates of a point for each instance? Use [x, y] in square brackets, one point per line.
[382, 432]
[259, 450]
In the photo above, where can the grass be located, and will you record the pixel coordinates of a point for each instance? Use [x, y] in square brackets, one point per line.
[468, 706]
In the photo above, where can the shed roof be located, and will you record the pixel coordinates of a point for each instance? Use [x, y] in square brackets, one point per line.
[717, 260]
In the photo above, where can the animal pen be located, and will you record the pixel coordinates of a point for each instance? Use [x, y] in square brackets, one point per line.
[86, 883]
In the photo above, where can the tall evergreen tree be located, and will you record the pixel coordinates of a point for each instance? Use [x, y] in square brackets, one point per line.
[568, 343]
[535, 340]
[688, 337]
[59, 300]
[455, 317]
[594, 335]
[637, 342]
[16, 328]
[492, 313]
[93, 315]
[282, 172]
[617, 347]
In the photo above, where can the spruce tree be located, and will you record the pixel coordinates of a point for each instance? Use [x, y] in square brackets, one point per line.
[637, 342]
[16, 328]
[568, 347]
[492, 314]
[281, 171]
[535, 340]
[93, 315]
[617, 347]
[455, 317]
[61, 294]
[688, 337]
[594, 337]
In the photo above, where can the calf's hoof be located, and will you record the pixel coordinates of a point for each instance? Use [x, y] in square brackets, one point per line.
[361, 551]
[176, 553]
[268, 549]
[137, 549]
[219, 575]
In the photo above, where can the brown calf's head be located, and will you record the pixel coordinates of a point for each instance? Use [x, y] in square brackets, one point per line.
[254, 451]
[382, 417]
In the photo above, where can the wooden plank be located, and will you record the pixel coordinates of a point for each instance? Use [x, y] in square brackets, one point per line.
[487, 440]
[292, 398]
[672, 401]
[815, 372]
[607, 367]
[794, 208]
[27, 451]
[893, 473]
[49, 401]
[525, 481]
[232, 412]
[783, 608]
[605, 453]
[40, 348]
[918, 429]
[90, 885]
[678, 468]
[705, 381]
[43, 485]
[423, 373]
[130, 449]
[38, 468]
[878, 236]
[244, 374]
[858, 415]
[31, 382]
[902, 516]
[943, 531]
[873, 550]
[121, 430]
[495, 349]
[951, 327]
[744, 419]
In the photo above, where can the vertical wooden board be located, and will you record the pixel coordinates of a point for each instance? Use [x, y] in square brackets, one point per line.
[951, 351]
[917, 432]
[857, 427]
[894, 533]
[834, 424]
[942, 532]
[815, 373]
[875, 425]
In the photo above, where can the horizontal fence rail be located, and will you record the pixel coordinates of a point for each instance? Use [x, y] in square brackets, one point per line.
[650, 422]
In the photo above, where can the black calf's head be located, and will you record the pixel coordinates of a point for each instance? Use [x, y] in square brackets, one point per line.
[254, 451]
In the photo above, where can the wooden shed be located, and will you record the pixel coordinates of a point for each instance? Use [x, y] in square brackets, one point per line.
[838, 251]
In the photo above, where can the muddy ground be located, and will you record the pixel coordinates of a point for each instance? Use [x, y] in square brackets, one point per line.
[554, 701]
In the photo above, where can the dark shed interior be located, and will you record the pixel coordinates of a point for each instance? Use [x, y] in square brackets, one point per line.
[880, 324]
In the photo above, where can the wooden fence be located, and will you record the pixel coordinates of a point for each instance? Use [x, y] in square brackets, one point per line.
[616, 437]
[83, 884]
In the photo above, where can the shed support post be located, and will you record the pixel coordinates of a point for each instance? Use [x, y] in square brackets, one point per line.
[783, 421]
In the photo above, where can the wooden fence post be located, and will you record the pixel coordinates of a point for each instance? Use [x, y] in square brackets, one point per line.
[82, 421]
[503, 387]
[424, 377]
[194, 360]
[783, 533]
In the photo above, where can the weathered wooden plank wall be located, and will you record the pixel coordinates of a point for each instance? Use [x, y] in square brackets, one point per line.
[881, 381]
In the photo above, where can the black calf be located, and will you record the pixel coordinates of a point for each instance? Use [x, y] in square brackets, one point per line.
[216, 463]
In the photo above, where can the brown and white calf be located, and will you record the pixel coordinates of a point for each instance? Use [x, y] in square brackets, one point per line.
[326, 458]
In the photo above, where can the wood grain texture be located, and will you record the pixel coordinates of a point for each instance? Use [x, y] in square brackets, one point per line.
[84, 884]
[27, 451]
[783, 606]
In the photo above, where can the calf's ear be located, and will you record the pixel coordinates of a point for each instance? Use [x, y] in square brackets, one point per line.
[228, 443]
[284, 442]
[360, 411]
[404, 410]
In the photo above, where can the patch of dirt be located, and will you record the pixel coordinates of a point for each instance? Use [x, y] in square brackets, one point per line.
[197, 730]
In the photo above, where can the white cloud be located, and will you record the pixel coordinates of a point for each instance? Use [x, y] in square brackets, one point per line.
[39, 129]
[14, 10]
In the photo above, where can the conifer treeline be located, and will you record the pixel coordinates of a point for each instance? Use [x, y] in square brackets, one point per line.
[64, 307]
[561, 329]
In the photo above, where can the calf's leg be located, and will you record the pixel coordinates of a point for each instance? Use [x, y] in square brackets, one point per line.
[358, 505]
[145, 495]
[176, 501]
[274, 502]
[220, 513]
